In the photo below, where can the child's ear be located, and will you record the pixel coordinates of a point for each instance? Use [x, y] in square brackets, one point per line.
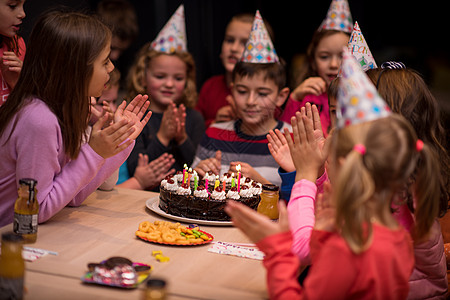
[282, 96]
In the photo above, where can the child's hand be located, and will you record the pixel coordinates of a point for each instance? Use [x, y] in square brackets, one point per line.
[97, 112]
[225, 114]
[134, 112]
[247, 171]
[255, 225]
[168, 128]
[181, 135]
[311, 85]
[279, 149]
[11, 67]
[111, 140]
[305, 152]
[232, 104]
[150, 174]
[325, 212]
[210, 164]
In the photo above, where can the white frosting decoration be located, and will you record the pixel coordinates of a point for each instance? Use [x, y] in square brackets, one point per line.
[218, 195]
[246, 193]
[257, 189]
[163, 183]
[172, 187]
[243, 180]
[233, 195]
[178, 177]
[201, 193]
[211, 178]
[182, 191]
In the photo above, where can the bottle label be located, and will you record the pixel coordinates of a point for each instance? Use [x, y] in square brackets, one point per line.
[11, 288]
[25, 224]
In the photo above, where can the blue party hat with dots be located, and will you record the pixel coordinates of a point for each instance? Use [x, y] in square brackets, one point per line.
[173, 35]
[338, 17]
[259, 47]
[358, 100]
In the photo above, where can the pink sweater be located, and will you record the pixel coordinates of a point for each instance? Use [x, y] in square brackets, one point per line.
[35, 150]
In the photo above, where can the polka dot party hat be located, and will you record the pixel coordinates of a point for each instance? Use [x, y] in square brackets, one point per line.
[358, 100]
[173, 35]
[357, 46]
[338, 17]
[259, 47]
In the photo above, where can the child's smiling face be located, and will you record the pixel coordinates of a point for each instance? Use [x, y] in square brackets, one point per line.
[256, 99]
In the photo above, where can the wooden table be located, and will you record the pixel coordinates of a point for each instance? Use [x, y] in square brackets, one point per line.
[104, 226]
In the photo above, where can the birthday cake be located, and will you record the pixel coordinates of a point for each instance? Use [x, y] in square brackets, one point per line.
[185, 195]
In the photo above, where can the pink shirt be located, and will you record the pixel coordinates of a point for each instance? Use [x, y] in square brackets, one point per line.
[5, 89]
[35, 150]
[321, 101]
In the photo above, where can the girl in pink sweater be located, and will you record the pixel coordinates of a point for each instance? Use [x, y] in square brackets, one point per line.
[43, 124]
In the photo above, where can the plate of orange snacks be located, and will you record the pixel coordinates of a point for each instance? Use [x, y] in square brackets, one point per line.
[168, 233]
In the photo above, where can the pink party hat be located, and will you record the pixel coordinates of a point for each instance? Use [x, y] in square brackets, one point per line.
[357, 46]
[358, 100]
[338, 17]
[173, 35]
[259, 47]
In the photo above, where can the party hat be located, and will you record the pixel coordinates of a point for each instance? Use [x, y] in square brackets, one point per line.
[338, 17]
[357, 46]
[173, 35]
[259, 47]
[358, 100]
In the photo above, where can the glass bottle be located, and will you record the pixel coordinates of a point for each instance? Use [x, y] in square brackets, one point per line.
[156, 290]
[26, 210]
[269, 201]
[12, 267]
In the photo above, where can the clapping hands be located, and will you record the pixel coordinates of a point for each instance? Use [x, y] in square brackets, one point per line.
[129, 120]
[173, 125]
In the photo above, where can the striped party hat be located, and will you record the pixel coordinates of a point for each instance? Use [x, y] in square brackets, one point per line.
[259, 47]
[358, 100]
[338, 17]
[173, 35]
[357, 46]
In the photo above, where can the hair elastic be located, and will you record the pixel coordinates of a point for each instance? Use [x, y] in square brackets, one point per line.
[391, 65]
[360, 148]
[419, 145]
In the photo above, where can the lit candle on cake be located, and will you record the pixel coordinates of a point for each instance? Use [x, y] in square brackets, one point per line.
[232, 180]
[217, 182]
[224, 184]
[238, 169]
[189, 176]
[195, 180]
[184, 173]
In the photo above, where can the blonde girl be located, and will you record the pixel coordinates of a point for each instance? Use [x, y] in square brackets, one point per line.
[175, 128]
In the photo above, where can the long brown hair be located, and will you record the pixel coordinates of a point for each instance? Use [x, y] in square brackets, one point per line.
[136, 76]
[368, 183]
[57, 69]
[406, 93]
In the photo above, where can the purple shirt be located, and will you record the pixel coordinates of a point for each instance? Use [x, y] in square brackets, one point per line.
[35, 149]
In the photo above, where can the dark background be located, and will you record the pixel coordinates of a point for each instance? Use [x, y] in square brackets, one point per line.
[394, 30]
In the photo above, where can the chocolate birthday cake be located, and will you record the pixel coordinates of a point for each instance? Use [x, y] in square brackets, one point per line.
[186, 196]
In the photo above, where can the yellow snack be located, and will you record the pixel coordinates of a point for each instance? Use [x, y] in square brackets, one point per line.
[168, 237]
[144, 226]
[155, 235]
[156, 252]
